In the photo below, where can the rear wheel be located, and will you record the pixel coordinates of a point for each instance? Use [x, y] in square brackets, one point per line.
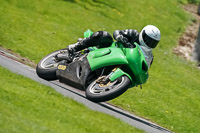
[47, 66]
[98, 92]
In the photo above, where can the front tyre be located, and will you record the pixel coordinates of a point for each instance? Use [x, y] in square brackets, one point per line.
[47, 66]
[97, 92]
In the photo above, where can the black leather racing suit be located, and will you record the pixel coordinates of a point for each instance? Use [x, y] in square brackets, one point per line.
[104, 39]
[99, 39]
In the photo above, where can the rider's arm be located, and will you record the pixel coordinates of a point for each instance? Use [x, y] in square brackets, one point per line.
[129, 34]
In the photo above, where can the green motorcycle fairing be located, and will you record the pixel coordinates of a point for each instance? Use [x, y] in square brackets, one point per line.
[137, 64]
[88, 33]
[133, 60]
[106, 57]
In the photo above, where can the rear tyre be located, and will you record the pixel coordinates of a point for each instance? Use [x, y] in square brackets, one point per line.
[99, 93]
[47, 66]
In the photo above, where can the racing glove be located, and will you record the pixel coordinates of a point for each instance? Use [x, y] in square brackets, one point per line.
[122, 39]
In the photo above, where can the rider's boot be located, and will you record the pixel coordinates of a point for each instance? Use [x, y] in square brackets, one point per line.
[63, 55]
[68, 54]
[75, 47]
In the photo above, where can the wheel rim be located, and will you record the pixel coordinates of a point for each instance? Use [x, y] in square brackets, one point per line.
[49, 61]
[96, 88]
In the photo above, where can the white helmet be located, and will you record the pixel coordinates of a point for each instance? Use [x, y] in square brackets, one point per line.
[149, 36]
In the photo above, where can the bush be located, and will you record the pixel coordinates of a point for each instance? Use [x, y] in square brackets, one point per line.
[194, 1]
[189, 1]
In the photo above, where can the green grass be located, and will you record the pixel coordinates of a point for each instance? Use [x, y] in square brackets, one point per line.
[170, 97]
[27, 106]
[33, 28]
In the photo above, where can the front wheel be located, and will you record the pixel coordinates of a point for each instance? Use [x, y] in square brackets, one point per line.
[47, 66]
[98, 92]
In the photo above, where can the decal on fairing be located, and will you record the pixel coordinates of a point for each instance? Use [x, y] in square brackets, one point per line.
[61, 67]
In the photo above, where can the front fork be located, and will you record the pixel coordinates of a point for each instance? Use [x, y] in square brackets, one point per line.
[111, 78]
[116, 73]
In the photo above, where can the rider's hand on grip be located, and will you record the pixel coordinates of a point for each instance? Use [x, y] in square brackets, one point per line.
[121, 39]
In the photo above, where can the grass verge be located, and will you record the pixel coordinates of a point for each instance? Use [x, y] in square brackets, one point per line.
[27, 106]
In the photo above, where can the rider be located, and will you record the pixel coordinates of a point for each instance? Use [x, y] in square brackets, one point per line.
[147, 39]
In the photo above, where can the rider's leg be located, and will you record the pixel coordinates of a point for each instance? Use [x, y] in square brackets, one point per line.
[100, 39]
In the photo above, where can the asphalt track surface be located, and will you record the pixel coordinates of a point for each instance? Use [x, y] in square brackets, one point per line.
[12, 63]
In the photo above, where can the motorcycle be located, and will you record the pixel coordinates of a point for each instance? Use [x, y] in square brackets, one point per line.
[103, 73]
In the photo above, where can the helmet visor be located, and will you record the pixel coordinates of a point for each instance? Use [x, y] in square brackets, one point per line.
[152, 43]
